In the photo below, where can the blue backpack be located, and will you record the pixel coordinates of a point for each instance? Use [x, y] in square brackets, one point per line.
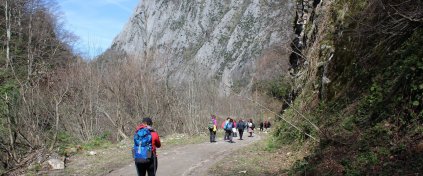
[228, 126]
[142, 150]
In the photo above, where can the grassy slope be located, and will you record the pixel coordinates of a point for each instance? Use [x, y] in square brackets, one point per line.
[265, 157]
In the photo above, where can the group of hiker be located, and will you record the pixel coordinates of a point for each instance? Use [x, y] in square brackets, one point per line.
[265, 125]
[147, 140]
[231, 127]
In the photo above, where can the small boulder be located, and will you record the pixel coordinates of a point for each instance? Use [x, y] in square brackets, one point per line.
[92, 153]
[242, 172]
[56, 164]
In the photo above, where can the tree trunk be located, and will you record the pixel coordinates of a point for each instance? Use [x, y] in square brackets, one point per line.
[57, 103]
[30, 58]
[8, 32]
[10, 129]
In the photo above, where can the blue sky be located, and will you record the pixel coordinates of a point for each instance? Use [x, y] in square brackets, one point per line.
[96, 22]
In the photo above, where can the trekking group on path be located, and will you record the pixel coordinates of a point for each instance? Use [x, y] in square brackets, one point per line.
[232, 128]
[147, 140]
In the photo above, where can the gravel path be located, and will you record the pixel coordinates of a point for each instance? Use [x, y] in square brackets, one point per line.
[193, 159]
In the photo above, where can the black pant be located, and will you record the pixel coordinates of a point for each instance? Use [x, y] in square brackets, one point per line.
[212, 135]
[150, 167]
[228, 135]
[241, 131]
[156, 164]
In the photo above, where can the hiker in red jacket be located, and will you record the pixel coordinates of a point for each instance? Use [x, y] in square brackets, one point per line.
[155, 143]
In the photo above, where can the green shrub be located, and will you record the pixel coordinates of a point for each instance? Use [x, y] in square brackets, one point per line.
[273, 143]
[278, 88]
[65, 141]
[98, 142]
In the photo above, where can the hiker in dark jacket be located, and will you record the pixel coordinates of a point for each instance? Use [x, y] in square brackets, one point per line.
[240, 126]
[266, 125]
[261, 126]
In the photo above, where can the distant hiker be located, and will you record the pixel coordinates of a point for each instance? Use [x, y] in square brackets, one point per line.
[266, 125]
[212, 128]
[225, 137]
[143, 148]
[234, 131]
[228, 129]
[246, 125]
[240, 126]
[224, 123]
[251, 127]
[261, 125]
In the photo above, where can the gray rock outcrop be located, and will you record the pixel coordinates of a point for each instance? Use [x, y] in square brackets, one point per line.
[221, 40]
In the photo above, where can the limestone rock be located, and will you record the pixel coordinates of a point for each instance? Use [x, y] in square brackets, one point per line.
[219, 39]
[92, 153]
[56, 164]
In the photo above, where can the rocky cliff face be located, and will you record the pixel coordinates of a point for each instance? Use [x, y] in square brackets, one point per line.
[221, 40]
[357, 77]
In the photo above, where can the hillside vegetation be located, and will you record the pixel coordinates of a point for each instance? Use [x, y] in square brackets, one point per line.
[55, 104]
[34, 46]
[354, 92]
[358, 83]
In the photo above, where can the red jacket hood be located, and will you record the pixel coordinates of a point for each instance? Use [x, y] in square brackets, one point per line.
[140, 126]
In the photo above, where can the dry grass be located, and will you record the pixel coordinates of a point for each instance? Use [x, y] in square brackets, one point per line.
[259, 159]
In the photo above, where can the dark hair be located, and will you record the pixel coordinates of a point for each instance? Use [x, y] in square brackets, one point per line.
[148, 121]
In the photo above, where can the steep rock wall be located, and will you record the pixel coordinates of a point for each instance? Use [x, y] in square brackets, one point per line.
[222, 40]
[357, 74]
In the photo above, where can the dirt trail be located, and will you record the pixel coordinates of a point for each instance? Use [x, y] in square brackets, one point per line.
[193, 159]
